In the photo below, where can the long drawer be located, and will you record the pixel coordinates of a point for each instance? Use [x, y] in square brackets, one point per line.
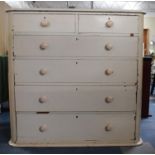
[108, 24]
[75, 98]
[44, 22]
[63, 46]
[74, 128]
[122, 71]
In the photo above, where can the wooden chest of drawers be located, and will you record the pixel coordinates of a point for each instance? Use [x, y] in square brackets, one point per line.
[75, 77]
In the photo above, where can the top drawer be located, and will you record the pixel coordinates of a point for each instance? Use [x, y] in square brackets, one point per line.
[44, 23]
[108, 24]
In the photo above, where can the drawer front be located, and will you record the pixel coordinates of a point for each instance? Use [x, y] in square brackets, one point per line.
[63, 46]
[108, 24]
[43, 23]
[76, 71]
[75, 98]
[75, 127]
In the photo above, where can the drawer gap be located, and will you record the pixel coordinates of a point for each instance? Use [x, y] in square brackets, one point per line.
[42, 112]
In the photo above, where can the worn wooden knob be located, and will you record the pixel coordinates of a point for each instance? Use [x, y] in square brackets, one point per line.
[109, 99]
[108, 127]
[44, 22]
[43, 71]
[43, 128]
[109, 71]
[109, 23]
[43, 99]
[108, 46]
[43, 45]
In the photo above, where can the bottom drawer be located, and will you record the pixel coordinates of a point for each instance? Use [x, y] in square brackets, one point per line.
[75, 128]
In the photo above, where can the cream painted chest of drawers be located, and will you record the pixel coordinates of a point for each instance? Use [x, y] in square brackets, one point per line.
[75, 77]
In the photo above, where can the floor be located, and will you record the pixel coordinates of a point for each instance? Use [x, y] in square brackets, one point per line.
[148, 124]
[147, 134]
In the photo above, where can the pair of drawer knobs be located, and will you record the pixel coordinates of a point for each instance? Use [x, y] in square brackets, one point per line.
[44, 71]
[44, 99]
[44, 128]
[44, 45]
[46, 23]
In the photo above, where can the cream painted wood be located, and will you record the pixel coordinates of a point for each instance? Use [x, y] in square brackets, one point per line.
[30, 22]
[11, 85]
[108, 24]
[75, 98]
[76, 71]
[140, 73]
[29, 45]
[75, 127]
[77, 78]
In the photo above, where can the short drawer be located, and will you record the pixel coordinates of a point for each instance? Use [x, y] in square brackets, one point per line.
[108, 24]
[75, 128]
[75, 98]
[71, 46]
[53, 23]
[121, 71]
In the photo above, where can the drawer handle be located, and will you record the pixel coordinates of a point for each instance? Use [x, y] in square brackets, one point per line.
[43, 99]
[109, 71]
[108, 46]
[109, 99]
[44, 23]
[43, 45]
[43, 71]
[109, 23]
[108, 127]
[43, 128]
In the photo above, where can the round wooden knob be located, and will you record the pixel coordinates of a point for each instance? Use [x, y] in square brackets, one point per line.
[43, 99]
[109, 71]
[43, 71]
[44, 23]
[109, 23]
[109, 99]
[43, 45]
[108, 46]
[108, 127]
[43, 128]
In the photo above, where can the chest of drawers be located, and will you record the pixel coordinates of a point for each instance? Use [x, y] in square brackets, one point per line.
[75, 77]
